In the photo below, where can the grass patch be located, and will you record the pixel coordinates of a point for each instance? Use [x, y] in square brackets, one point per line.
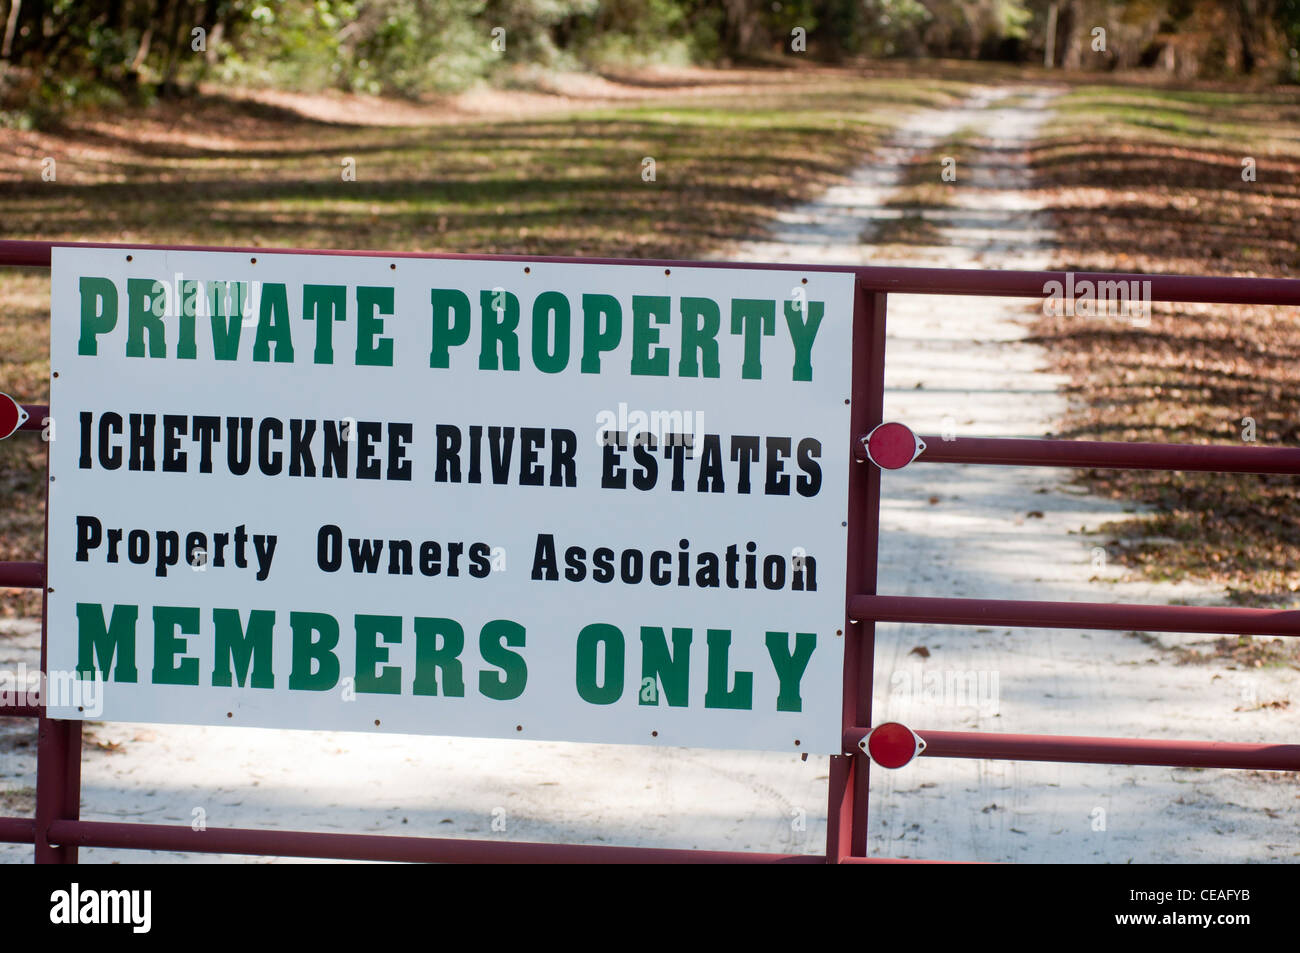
[18, 801]
[910, 228]
[1235, 652]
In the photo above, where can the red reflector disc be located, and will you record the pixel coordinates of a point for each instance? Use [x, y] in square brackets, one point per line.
[12, 415]
[892, 745]
[892, 446]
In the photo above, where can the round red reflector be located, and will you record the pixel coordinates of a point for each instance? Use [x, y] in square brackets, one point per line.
[12, 415]
[893, 745]
[892, 446]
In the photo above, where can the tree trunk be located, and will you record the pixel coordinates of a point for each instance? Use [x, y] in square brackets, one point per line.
[1071, 56]
[1049, 47]
[11, 25]
[739, 26]
[174, 25]
[1247, 16]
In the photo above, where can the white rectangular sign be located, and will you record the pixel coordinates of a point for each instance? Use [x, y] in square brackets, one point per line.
[549, 501]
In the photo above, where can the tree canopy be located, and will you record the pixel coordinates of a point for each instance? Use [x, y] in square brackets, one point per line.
[73, 48]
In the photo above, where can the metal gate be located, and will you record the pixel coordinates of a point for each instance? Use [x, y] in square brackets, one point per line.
[57, 832]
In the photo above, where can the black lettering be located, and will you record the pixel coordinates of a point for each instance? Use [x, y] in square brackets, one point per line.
[368, 432]
[446, 440]
[399, 436]
[300, 434]
[810, 483]
[270, 429]
[206, 431]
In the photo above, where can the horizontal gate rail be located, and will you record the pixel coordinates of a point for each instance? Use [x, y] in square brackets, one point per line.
[21, 711]
[382, 847]
[17, 830]
[1099, 454]
[36, 414]
[1076, 615]
[57, 832]
[1080, 750]
[22, 575]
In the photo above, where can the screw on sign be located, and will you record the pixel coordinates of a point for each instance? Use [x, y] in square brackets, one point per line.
[12, 416]
[892, 446]
[892, 744]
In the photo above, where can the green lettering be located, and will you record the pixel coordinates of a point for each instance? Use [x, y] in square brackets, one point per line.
[142, 318]
[499, 332]
[324, 304]
[244, 648]
[98, 312]
[167, 621]
[790, 666]
[670, 669]
[371, 302]
[226, 326]
[97, 640]
[513, 677]
[431, 659]
[602, 329]
[716, 694]
[450, 324]
[701, 322]
[315, 667]
[803, 324]
[186, 347]
[273, 325]
[370, 654]
[754, 318]
[589, 639]
[547, 303]
[647, 359]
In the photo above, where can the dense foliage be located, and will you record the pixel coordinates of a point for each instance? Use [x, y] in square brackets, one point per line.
[79, 50]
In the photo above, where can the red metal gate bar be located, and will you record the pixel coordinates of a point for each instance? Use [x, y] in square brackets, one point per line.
[847, 789]
[1082, 750]
[58, 743]
[1115, 455]
[941, 281]
[36, 414]
[21, 711]
[1076, 615]
[903, 860]
[22, 575]
[385, 847]
[17, 830]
